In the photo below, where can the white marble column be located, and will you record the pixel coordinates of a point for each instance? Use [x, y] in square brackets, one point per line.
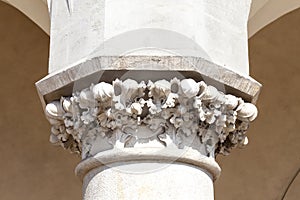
[174, 181]
[215, 31]
[148, 92]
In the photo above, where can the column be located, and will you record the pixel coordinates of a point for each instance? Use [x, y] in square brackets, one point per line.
[148, 93]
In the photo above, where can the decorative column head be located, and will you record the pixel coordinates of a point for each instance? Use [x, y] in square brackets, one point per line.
[182, 115]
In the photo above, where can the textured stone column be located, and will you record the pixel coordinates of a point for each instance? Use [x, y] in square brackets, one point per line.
[148, 93]
[175, 181]
[215, 31]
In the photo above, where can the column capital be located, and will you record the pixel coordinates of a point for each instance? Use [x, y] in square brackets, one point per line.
[166, 115]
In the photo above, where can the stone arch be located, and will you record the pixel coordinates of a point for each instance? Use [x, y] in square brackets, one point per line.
[36, 10]
[264, 12]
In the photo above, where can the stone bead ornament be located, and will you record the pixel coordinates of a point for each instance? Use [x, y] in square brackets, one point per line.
[127, 114]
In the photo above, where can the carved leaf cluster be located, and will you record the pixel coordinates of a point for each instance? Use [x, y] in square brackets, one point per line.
[178, 108]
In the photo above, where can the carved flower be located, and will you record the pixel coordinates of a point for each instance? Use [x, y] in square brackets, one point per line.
[189, 87]
[231, 117]
[135, 108]
[153, 109]
[55, 110]
[210, 94]
[247, 112]
[102, 91]
[221, 123]
[68, 122]
[89, 116]
[171, 101]
[63, 136]
[86, 99]
[102, 119]
[127, 92]
[209, 115]
[120, 119]
[176, 121]
[167, 113]
[159, 90]
[154, 123]
[210, 139]
[188, 124]
[231, 101]
[197, 103]
[67, 104]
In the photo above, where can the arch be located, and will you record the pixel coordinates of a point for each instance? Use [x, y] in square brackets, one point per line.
[263, 12]
[36, 10]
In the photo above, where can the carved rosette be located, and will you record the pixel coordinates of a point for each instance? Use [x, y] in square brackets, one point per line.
[127, 114]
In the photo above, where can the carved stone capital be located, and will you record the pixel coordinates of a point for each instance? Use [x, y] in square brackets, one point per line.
[175, 114]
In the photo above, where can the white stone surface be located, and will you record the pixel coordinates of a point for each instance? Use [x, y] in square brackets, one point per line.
[148, 181]
[214, 30]
[262, 13]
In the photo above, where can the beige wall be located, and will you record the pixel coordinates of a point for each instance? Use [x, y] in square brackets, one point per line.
[264, 12]
[265, 168]
[36, 10]
[32, 169]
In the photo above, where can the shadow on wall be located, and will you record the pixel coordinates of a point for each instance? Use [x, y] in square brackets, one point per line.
[31, 168]
[270, 161]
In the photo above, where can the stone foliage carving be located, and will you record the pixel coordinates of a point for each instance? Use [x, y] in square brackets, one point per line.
[130, 113]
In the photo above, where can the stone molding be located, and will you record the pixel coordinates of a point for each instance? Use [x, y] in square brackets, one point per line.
[108, 68]
[125, 114]
[167, 156]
